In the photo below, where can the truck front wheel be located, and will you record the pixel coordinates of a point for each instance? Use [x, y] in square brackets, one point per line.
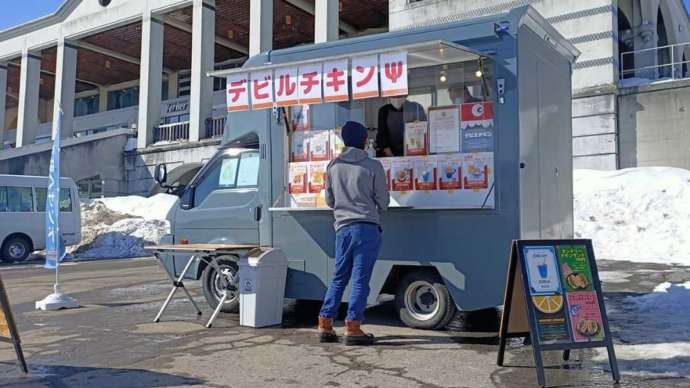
[215, 283]
[423, 301]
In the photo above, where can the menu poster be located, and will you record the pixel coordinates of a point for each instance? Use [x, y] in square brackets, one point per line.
[402, 173]
[542, 271]
[585, 316]
[575, 271]
[552, 326]
[297, 175]
[300, 146]
[425, 173]
[336, 143]
[444, 129]
[318, 145]
[476, 171]
[386, 164]
[449, 172]
[300, 117]
[416, 138]
[317, 176]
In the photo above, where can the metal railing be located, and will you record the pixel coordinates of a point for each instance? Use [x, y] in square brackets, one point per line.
[656, 63]
[173, 132]
[215, 127]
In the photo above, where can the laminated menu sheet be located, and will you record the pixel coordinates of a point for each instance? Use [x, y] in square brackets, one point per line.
[300, 146]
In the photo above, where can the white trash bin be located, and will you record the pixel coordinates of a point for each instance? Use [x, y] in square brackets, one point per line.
[262, 287]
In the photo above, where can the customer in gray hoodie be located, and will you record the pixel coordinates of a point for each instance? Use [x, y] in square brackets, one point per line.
[357, 191]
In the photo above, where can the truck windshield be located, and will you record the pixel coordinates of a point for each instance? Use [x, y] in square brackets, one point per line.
[229, 170]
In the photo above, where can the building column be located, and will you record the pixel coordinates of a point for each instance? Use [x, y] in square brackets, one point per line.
[201, 86]
[65, 83]
[150, 79]
[260, 26]
[3, 100]
[172, 85]
[326, 21]
[29, 85]
[102, 99]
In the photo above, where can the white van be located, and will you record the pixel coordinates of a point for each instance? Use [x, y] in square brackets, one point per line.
[22, 214]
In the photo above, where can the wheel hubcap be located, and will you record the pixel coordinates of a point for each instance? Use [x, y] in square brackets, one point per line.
[17, 251]
[421, 300]
[226, 281]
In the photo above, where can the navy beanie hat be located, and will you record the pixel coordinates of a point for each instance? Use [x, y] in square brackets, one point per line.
[354, 134]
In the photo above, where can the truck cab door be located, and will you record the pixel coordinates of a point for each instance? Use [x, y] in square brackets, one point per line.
[222, 204]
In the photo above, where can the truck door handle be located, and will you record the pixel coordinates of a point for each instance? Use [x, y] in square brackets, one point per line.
[257, 213]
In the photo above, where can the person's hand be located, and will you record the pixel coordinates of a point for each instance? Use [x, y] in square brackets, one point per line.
[388, 152]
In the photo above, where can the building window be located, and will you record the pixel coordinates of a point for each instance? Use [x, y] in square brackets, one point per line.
[184, 83]
[123, 98]
[164, 90]
[86, 105]
[219, 83]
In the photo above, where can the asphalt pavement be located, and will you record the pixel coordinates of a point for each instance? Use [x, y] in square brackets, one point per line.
[111, 340]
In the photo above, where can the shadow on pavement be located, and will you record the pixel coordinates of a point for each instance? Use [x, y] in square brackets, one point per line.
[75, 376]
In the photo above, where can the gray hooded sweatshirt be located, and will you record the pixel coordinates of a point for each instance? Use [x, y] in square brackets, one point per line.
[356, 188]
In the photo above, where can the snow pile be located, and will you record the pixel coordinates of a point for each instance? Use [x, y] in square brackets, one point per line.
[122, 226]
[155, 207]
[654, 327]
[637, 214]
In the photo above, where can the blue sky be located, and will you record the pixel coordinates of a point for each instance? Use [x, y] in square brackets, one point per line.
[24, 10]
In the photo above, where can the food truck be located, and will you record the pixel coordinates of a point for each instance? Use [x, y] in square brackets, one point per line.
[476, 147]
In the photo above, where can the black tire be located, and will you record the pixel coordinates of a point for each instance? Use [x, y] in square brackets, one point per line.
[16, 248]
[423, 301]
[212, 285]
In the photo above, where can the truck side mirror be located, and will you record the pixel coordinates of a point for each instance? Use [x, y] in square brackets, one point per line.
[160, 174]
[187, 198]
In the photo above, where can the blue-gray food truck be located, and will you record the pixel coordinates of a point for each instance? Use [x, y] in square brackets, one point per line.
[472, 122]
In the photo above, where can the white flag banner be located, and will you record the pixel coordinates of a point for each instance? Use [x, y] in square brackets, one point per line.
[335, 81]
[237, 92]
[393, 74]
[262, 89]
[365, 77]
[310, 84]
[285, 85]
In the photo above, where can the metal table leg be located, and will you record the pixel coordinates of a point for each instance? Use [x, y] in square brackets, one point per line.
[177, 283]
[217, 310]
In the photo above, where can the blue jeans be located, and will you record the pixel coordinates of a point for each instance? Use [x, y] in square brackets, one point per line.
[356, 249]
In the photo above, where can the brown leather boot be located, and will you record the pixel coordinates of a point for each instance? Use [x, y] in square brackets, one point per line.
[326, 332]
[355, 336]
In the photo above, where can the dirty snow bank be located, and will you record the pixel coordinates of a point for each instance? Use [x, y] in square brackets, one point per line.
[121, 227]
[636, 214]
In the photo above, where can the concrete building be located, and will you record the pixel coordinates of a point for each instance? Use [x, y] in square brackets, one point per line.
[630, 98]
[130, 77]
[141, 65]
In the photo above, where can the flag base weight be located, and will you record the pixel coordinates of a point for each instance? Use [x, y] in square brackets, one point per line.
[56, 301]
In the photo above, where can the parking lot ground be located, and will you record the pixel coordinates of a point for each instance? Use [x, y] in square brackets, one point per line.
[111, 341]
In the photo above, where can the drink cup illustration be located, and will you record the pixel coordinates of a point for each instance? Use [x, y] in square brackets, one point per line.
[450, 171]
[543, 270]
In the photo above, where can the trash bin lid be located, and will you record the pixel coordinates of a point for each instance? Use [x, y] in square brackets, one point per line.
[264, 257]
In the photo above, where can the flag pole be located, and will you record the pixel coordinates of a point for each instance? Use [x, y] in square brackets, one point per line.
[55, 247]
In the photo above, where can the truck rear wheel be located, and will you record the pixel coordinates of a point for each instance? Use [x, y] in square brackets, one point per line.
[215, 284]
[423, 301]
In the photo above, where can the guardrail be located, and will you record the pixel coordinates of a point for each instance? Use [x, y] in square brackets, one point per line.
[215, 127]
[657, 63]
[173, 132]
